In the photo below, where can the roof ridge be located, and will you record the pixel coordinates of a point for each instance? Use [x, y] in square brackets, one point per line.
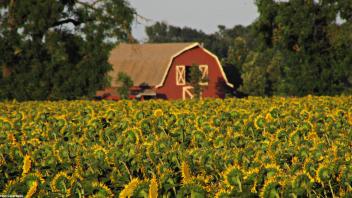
[168, 43]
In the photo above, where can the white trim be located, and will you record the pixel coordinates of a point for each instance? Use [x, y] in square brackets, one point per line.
[186, 90]
[180, 74]
[205, 74]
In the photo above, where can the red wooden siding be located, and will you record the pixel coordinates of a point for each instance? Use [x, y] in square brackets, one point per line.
[196, 56]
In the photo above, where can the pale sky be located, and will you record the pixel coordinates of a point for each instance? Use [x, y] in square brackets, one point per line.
[203, 15]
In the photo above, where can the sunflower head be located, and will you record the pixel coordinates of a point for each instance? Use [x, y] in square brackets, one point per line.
[186, 173]
[233, 176]
[301, 182]
[26, 164]
[259, 122]
[153, 188]
[304, 115]
[158, 113]
[11, 137]
[132, 135]
[323, 173]
[11, 186]
[268, 117]
[345, 176]
[271, 188]
[222, 194]
[251, 174]
[272, 169]
[129, 188]
[32, 189]
[102, 190]
[60, 182]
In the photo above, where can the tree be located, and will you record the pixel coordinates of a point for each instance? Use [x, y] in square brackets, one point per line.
[217, 42]
[300, 49]
[253, 75]
[58, 49]
[125, 84]
[195, 80]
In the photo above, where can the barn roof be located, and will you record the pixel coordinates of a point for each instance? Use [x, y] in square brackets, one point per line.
[145, 63]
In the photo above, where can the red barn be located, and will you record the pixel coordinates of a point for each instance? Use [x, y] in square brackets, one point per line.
[162, 71]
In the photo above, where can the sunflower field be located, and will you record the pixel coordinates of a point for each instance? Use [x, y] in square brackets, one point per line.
[254, 147]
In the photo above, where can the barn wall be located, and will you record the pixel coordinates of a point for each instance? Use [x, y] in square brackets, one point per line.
[198, 56]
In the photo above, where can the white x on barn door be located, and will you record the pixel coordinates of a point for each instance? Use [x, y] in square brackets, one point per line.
[180, 75]
[187, 92]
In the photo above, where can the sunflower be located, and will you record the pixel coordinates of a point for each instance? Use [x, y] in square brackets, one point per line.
[268, 117]
[253, 172]
[26, 165]
[153, 188]
[345, 177]
[259, 122]
[32, 189]
[103, 190]
[222, 194]
[10, 185]
[2, 160]
[323, 173]
[186, 173]
[98, 148]
[158, 113]
[305, 115]
[129, 189]
[302, 181]
[59, 182]
[271, 188]
[234, 176]
[349, 118]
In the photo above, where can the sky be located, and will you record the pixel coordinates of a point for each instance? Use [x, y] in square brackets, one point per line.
[203, 15]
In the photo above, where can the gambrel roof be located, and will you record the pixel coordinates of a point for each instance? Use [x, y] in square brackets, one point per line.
[146, 63]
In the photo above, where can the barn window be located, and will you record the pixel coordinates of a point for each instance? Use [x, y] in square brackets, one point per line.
[188, 74]
[183, 74]
[205, 72]
[180, 75]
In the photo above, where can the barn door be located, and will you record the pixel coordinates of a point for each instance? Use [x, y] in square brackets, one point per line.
[187, 92]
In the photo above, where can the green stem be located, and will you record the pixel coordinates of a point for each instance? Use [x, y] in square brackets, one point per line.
[327, 139]
[252, 134]
[239, 184]
[65, 189]
[293, 195]
[324, 190]
[79, 194]
[332, 191]
[128, 170]
[309, 193]
[316, 194]
[349, 186]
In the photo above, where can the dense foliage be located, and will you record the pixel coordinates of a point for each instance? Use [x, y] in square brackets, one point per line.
[225, 148]
[58, 49]
[219, 42]
[302, 48]
[125, 84]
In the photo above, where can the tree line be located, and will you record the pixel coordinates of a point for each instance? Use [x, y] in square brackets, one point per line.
[58, 49]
